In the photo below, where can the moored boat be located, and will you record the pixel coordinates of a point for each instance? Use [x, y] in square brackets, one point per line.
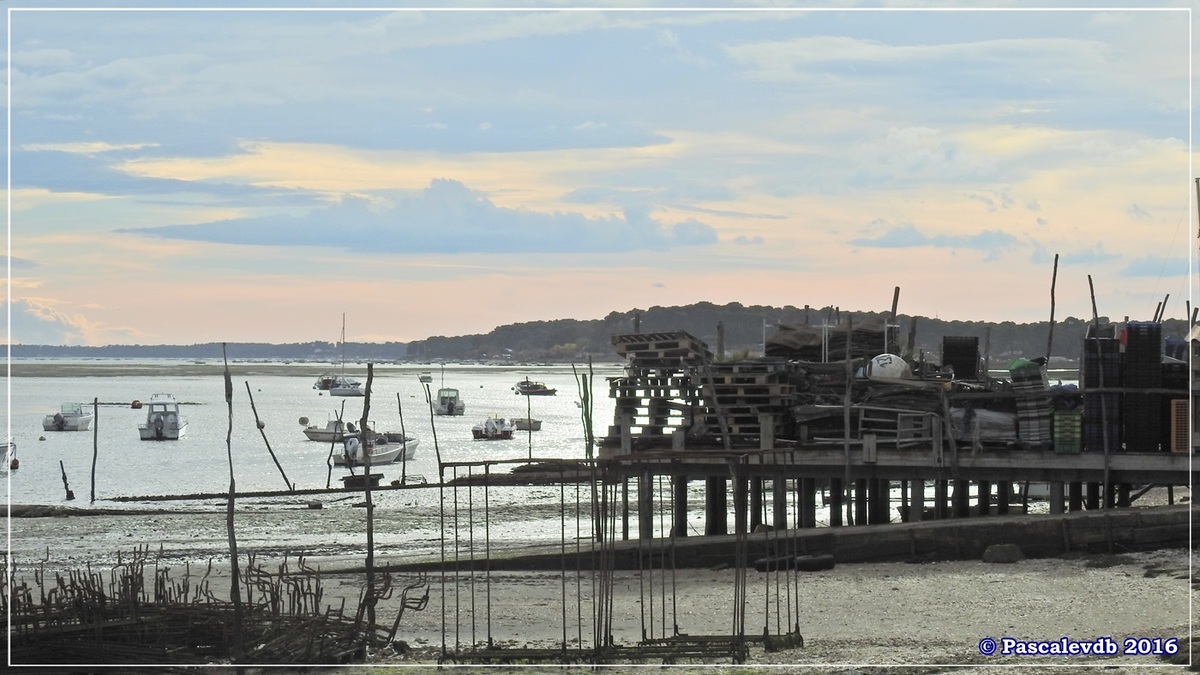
[163, 421]
[381, 450]
[531, 388]
[494, 428]
[334, 431]
[448, 402]
[526, 424]
[70, 417]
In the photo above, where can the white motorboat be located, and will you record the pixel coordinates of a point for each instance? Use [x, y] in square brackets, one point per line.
[334, 431]
[526, 424]
[163, 422]
[70, 417]
[494, 428]
[381, 449]
[448, 402]
[425, 376]
[346, 387]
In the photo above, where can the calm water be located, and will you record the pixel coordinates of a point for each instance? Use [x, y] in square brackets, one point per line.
[198, 463]
[129, 467]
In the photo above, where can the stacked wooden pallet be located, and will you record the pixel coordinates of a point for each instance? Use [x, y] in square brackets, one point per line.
[661, 348]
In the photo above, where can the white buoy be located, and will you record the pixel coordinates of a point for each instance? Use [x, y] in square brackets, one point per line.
[887, 366]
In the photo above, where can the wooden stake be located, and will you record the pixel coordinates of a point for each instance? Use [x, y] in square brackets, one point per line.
[95, 445]
[235, 592]
[1053, 282]
[262, 430]
[70, 495]
[369, 598]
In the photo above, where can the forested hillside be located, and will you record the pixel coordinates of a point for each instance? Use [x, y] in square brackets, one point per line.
[571, 340]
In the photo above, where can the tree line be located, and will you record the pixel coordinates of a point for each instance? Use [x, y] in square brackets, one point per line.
[576, 340]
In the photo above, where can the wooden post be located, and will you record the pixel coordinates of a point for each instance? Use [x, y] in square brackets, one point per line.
[962, 498]
[716, 507]
[941, 489]
[860, 501]
[808, 502]
[916, 509]
[262, 430]
[874, 497]
[680, 528]
[645, 499]
[625, 507]
[779, 497]
[95, 445]
[1093, 496]
[1056, 497]
[756, 487]
[1050, 337]
[985, 497]
[70, 494]
[1075, 496]
[836, 490]
[1003, 493]
[741, 489]
[235, 584]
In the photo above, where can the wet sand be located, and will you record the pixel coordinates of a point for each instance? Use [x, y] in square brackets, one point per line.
[883, 615]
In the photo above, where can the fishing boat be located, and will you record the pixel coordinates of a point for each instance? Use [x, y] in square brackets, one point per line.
[425, 376]
[163, 422]
[328, 381]
[70, 417]
[530, 388]
[381, 449]
[494, 428]
[334, 431]
[448, 402]
[526, 424]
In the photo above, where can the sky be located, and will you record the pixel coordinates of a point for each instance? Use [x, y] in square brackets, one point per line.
[207, 175]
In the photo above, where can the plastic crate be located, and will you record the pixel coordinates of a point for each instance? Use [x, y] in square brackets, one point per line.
[1068, 432]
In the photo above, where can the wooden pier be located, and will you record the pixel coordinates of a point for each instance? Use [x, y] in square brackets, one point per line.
[778, 432]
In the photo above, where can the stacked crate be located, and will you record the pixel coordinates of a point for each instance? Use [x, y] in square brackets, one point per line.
[1141, 368]
[1174, 422]
[1035, 409]
[657, 393]
[1101, 411]
[743, 391]
[1068, 432]
[671, 383]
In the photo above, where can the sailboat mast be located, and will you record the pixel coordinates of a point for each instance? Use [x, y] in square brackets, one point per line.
[343, 343]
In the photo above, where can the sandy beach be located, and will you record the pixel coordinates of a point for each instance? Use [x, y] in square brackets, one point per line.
[890, 617]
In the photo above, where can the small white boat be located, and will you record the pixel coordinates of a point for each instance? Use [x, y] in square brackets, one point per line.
[346, 387]
[425, 376]
[381, 449]
[526, 424]
[448, 402]
[494, 428]
[333, 431]
[163, 422]
[70, 417]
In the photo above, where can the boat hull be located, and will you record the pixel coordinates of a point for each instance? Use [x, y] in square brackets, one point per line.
[386, 453]
[526, 424]
[67, 422]
[149, 432]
